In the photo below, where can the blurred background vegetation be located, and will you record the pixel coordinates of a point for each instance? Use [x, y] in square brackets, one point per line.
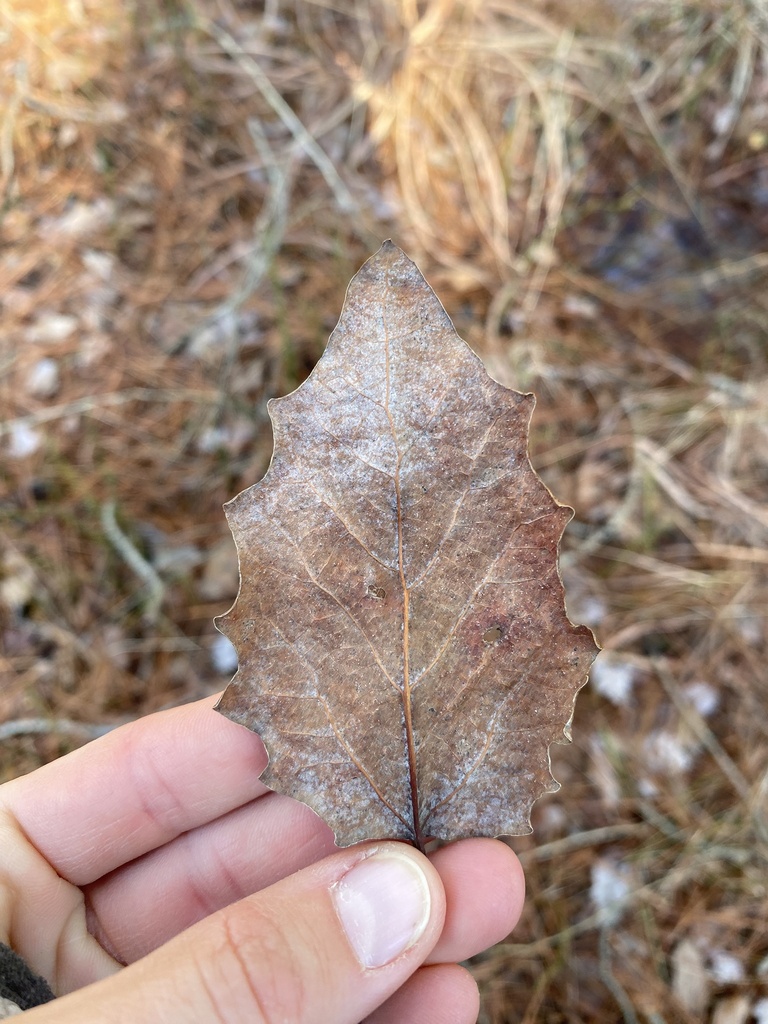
[188, 185]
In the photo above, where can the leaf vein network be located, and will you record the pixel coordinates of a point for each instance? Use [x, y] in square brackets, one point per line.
[457, 508]
[324, 501]
[470, 771]
[352, 387]
[342, 606]
[327, 430]
[360, 767]
[460, 616]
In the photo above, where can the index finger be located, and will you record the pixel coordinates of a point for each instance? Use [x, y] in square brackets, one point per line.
[136, 788]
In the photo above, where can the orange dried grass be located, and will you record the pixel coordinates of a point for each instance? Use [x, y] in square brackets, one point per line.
[471, 123]
[51, 57]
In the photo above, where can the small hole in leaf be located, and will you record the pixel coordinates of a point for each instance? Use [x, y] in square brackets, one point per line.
[490, 636]
[378, 593]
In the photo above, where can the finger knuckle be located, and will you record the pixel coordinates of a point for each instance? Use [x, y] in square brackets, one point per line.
[259, 966]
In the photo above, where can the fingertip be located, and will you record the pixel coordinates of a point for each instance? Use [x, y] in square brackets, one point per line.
[441, 994]
[485, 892]
[387, 903]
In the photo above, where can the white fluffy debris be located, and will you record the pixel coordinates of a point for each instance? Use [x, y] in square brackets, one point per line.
[613, 679]
[667, 754]
[23, 440]
[223, 655]
[100, 264]
[80, 219]
[43, 379]
[704, 698]
[725, 968]
[611, 886]
[50, 328]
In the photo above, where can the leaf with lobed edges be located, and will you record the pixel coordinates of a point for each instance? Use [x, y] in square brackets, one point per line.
[403, 644]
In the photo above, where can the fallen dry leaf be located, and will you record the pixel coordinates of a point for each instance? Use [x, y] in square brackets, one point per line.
[404, 649]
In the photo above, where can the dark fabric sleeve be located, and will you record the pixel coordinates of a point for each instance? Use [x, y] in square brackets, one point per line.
[19, 983]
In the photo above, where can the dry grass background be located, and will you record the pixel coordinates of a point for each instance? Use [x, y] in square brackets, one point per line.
[188, 185]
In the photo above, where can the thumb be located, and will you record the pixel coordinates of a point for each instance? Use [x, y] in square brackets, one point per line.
[325, 946]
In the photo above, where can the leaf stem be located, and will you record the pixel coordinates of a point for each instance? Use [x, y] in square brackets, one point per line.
[418, 836]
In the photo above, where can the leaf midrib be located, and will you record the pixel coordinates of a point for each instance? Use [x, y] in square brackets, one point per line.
[418, 837]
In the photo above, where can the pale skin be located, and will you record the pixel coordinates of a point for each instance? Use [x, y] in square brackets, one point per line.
[150, 876]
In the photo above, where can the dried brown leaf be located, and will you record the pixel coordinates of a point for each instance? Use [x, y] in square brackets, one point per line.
[404, 649]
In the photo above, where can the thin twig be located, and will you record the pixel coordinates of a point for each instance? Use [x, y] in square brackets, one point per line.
[587, 924]
[610, 980]
[582, 840]
[709, 741]
[8, 129]
[93, 403]
[268, 234]
[317, 155]
[46, 726]
[132, 557]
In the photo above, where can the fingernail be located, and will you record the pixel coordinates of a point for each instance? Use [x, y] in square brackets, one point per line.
[383, 904]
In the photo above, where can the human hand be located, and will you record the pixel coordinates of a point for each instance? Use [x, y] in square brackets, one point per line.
[157, 847]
